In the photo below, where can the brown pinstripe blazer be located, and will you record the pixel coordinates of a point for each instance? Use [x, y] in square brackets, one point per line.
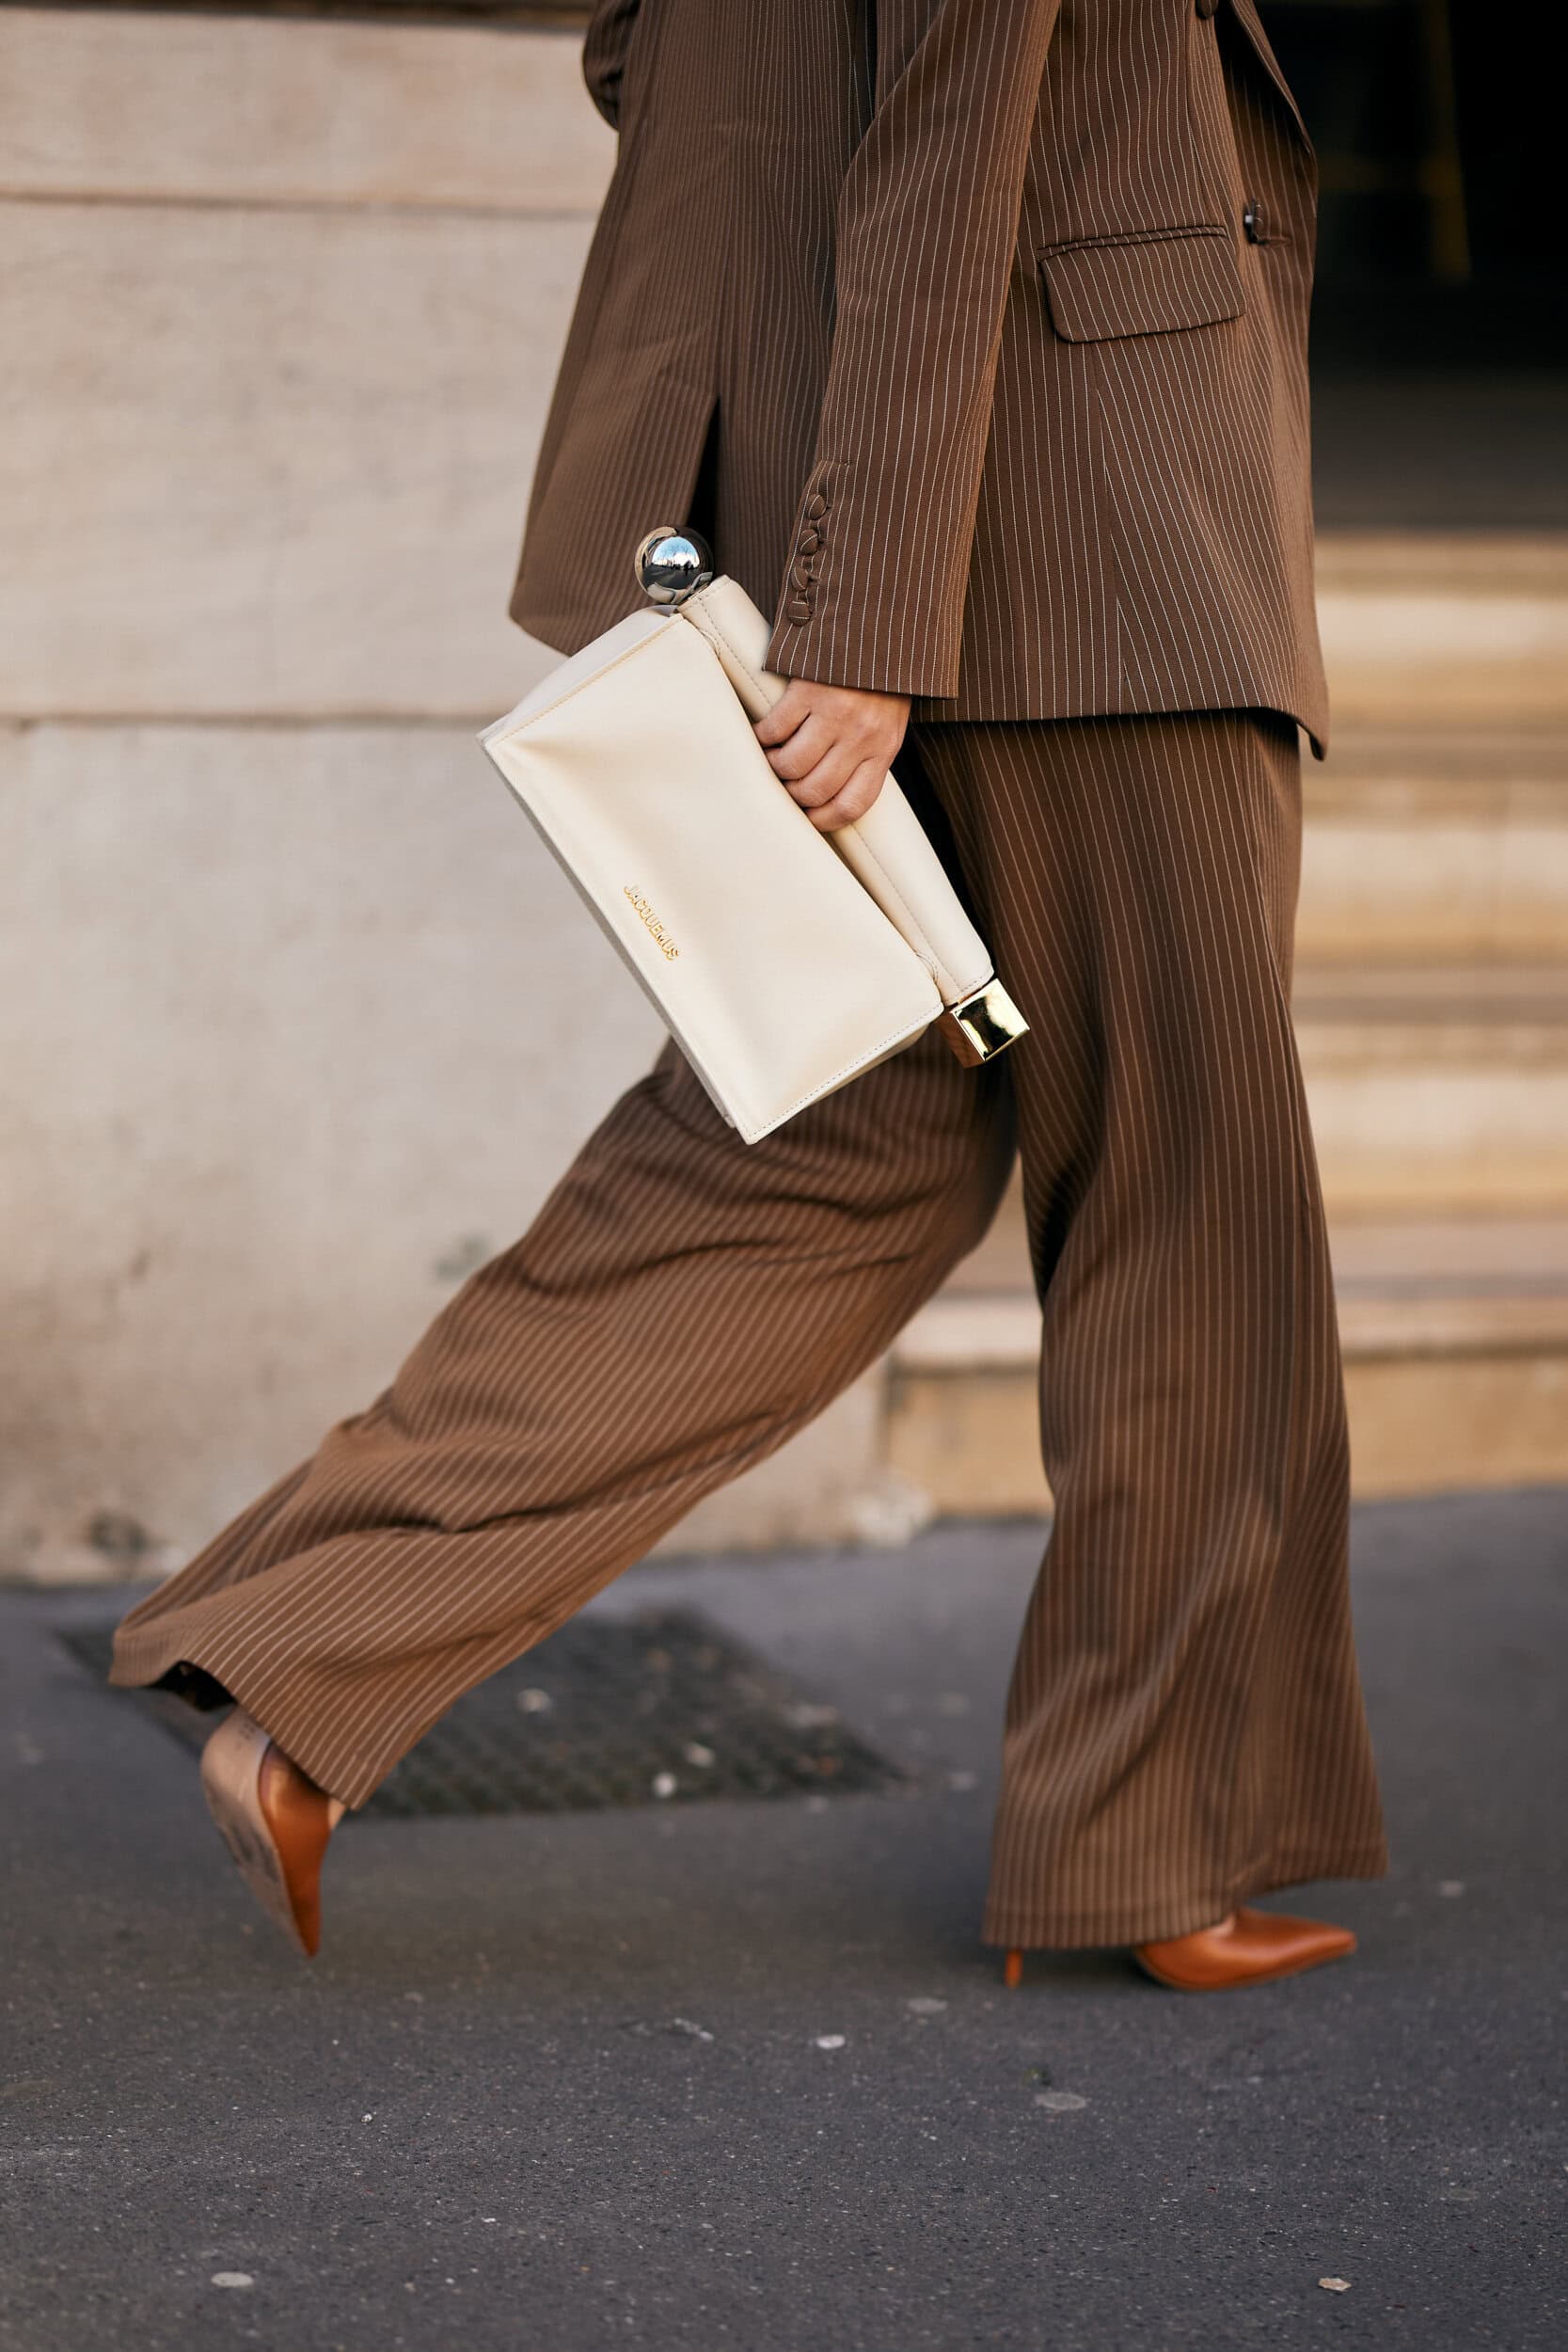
[973, 331]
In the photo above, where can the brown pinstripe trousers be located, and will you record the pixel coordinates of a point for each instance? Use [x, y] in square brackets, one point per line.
[1184, 1727]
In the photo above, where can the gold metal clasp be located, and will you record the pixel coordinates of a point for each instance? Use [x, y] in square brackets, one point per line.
[983, 1025]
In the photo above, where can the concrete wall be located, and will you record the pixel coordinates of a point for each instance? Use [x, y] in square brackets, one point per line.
[280, 303]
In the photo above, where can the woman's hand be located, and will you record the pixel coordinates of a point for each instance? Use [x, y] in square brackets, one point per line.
[833, 746]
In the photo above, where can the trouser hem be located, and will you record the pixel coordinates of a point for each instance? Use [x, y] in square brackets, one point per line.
[142, 1660]
[1184, 1914]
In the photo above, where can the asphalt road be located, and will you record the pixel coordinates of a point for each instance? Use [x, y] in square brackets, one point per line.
[741, 2075]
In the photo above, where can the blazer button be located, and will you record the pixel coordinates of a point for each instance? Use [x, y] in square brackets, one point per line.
[810, 540]
[1252, 221]
[1207, 8]
[817, 507]
[798, 609]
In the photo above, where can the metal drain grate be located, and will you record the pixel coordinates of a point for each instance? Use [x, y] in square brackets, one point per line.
[661, 1707]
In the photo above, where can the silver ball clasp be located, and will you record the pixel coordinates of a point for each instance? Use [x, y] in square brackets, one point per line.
[671, 565]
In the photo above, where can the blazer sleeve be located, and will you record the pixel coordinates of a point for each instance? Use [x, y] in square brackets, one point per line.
[927, 224]
[604, 54]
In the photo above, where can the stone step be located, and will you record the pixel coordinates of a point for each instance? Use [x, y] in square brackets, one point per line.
[1433, 1089]
[1430, 1089]
[1455, 1335]
[1436, 846]
[1422, 627]
[1437, 1087]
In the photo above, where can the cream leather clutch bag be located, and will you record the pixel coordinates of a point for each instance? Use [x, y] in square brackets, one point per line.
[784, 961]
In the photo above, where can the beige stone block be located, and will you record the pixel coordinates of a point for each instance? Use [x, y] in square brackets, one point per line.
[969, 1438]
[236, 109]
[1428, 627]
[1420, 1423]
[963, 1404]
[1459, 1114]
[1431, 1423]
[1451, 1264]
[264, 462]
[1424, 849]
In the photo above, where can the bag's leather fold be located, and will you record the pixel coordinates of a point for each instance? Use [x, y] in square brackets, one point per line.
[784, 961]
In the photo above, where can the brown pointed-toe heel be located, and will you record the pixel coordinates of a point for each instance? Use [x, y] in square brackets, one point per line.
[1013, 1969]
[1248, 1948]
[275, 1822]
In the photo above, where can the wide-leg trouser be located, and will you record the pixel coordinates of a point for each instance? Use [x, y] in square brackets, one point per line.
[1184, 1727]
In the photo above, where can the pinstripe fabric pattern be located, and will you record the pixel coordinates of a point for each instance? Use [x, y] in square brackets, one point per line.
[1184, 1727]
[1001, 402]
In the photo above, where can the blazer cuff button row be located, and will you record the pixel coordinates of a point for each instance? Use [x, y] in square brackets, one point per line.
[806, 547]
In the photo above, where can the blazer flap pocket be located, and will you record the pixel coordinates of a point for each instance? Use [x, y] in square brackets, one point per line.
[1149, 284]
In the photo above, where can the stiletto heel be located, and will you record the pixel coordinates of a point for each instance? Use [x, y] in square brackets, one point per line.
[1012, 1970]
[275, 1821]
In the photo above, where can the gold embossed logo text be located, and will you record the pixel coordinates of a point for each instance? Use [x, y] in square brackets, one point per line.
[661, 938]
